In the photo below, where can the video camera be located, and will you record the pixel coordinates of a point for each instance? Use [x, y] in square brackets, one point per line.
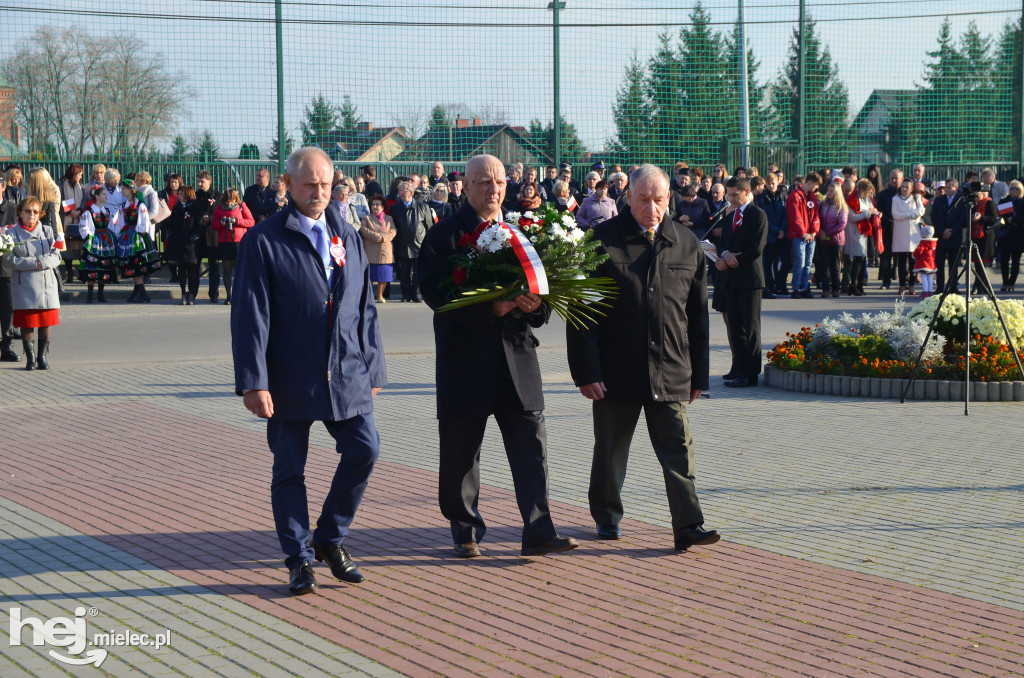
[971, 189]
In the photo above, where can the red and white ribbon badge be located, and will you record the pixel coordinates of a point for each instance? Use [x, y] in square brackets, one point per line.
[530, 261]
[338, 251]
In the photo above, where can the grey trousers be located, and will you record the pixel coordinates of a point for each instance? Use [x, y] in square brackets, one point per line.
[669, 428]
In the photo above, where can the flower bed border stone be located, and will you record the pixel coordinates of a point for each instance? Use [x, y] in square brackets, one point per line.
[875, 387]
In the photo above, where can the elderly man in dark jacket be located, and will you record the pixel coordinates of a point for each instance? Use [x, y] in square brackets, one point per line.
[307, 348]
[412, 221]
[487, 364]
[648, 352]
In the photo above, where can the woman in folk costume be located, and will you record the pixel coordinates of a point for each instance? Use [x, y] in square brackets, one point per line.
[99, 251]
[136, 255]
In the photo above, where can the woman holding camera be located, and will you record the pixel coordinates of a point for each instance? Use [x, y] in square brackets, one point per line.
[231, 219]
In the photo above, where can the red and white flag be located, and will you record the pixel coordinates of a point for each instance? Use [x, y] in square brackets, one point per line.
[59, 242]
[68, 204]
[571, 203]
[1006, 208]
[433, 214]
[536, 276]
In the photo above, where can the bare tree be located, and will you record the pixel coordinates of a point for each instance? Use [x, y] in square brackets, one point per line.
[414, 122]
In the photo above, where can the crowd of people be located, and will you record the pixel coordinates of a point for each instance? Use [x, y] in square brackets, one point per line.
[825, 229]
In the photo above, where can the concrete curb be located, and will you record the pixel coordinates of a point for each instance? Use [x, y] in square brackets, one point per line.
[874, 387]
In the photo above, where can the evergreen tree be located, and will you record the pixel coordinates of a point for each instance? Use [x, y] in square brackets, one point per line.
[289, 146]
[349, 114]
[664, 92]
[249, 152]
[826, 107]
[544, 138]
[632, 116]
[704, 76]
[755, 89]
[179, 148]
[207, 149]
[321, 118]
[1010, 61]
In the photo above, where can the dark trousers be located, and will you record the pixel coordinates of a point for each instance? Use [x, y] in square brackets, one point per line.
[669, 429]
[902, 260]
[944, 258]
[188, 275]
[855, 273]
[742, 308]
[214, 275]
[525, 441]
[831, 261]
[6, 313]
[357, 442]
[885, 268]
[407, 278]
[784, 263]
[1009, 262]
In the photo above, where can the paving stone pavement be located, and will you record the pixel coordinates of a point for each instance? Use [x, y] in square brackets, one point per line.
[862, 492]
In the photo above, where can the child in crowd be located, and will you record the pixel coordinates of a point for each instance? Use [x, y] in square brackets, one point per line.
[924, 260]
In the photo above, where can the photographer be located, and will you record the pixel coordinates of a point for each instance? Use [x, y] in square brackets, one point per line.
[231, 219]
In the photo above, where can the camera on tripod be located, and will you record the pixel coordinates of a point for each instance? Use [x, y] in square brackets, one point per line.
[971, 190]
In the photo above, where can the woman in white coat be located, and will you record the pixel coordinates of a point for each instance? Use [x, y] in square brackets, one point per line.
[33, 266]
[907, 210]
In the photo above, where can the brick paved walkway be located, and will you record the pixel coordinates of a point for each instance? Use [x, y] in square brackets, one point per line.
[857, 542]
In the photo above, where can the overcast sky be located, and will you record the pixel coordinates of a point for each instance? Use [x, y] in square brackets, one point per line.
[398, 57]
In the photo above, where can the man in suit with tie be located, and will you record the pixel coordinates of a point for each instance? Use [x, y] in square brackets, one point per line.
[742, 279]
[647, 351]
[307, 348]
[487, 365]
[412, 221]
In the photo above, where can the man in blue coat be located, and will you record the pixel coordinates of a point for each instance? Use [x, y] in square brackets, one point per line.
[307, 348]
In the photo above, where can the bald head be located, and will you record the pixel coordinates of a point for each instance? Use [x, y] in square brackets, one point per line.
[485, 185]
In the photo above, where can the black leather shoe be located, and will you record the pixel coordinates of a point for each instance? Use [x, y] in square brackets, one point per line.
[302, 579]
[742, 382]
[767, 295]
[729, 376]
[342, 565]
[468, 550]
[7, 355]
[556, 545]
[609, 532]
[695, 536]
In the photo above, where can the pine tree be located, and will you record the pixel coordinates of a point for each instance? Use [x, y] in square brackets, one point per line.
[755, 89]
[207, 149]
[349, 114]
[249, 152]
[632, 113]
[703, 92]
[543, 137]
[321, 118]
[664, 92]
[827, 138]
[289, 146]
[179, 148]
[1010, 59]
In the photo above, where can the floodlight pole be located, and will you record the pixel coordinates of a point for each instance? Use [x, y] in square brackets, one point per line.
[801, 102]
[554, 6]
[282, 149]
[744, 96]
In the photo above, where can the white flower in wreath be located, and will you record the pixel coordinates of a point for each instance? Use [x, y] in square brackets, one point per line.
[493, 238]
[568, 220]
[513, 217]
[530, 215]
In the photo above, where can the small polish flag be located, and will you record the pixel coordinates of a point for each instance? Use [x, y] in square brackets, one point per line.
[1006, 208]
[571, 204]
[59, 242]
[68, 204]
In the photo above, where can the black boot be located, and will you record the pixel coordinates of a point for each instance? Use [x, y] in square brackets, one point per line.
[69, 271]
[44, 350]
[88, 298]
[142, 298]
[30, 354]
[7, 355]
[134, 295]
[101, 298]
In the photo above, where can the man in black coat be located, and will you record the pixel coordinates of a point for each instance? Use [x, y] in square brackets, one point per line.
[371, 188]
[949, 217]
[207, 199]
[412, 220]
[257, 195]
[744, 233]
[884, 202]
[648, 351]
[487, 364]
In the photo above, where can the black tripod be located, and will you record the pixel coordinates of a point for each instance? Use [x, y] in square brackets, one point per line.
[968, 253]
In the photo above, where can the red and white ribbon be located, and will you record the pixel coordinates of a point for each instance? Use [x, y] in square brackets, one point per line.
[338, 251]
[536, 276]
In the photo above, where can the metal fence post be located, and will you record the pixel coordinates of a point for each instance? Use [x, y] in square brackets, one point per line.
[801, 157]
[554, 6]
[282, 148]
[744, 95]
[1020, 84]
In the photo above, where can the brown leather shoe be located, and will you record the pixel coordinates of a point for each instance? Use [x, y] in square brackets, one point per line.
[556, 545]
[467, 550]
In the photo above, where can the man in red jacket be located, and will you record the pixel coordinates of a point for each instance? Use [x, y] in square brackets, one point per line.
[804, 224]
